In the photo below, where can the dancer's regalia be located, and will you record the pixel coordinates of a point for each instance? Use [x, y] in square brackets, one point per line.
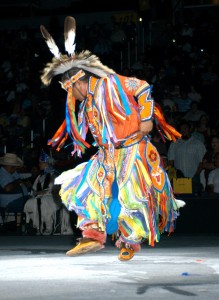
[122, 190]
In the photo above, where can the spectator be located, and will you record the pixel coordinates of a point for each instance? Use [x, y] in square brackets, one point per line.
[198, 135]
[167, 102]
[194, 114]
[213, 178]
[208, 159]
[183, 102]
[209, 76]
[194, 94]
[186, 154]
[14, 191]
[41, 208]
[204, 127]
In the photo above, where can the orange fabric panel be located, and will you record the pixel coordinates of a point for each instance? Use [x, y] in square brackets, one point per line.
[125, 127]
[139, 89]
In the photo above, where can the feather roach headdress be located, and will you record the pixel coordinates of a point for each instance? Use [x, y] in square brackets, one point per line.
[61, 63]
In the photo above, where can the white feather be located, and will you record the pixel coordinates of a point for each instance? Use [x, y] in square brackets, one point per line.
[50, 42]
[69, 43]
[53, 47]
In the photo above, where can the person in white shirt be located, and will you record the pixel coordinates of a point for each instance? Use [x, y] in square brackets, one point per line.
[186, 155]
[213, 179]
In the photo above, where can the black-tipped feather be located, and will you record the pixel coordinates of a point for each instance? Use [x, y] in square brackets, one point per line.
[69, 34]
[50, 42]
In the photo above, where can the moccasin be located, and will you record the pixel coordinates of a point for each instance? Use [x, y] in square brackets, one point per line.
[126, 254]
[85, 247]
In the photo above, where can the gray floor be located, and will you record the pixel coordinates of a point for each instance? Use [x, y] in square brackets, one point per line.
[178, 267]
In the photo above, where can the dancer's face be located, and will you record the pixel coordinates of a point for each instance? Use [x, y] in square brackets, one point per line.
[79, 90]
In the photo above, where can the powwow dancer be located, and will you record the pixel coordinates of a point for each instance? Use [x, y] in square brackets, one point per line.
[123, 189]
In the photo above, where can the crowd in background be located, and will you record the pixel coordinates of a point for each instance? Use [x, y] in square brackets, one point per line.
[183, 70]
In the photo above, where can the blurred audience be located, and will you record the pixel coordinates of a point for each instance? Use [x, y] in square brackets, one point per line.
[183, 70]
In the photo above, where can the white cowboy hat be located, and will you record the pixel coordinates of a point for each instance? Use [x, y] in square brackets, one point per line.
[11, 159]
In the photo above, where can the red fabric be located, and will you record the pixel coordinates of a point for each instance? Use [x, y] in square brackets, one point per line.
[95, 235]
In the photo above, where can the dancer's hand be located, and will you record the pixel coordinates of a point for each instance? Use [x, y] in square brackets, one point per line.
[146, 127]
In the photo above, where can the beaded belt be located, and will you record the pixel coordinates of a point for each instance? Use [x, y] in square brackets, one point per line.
[131, 140]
